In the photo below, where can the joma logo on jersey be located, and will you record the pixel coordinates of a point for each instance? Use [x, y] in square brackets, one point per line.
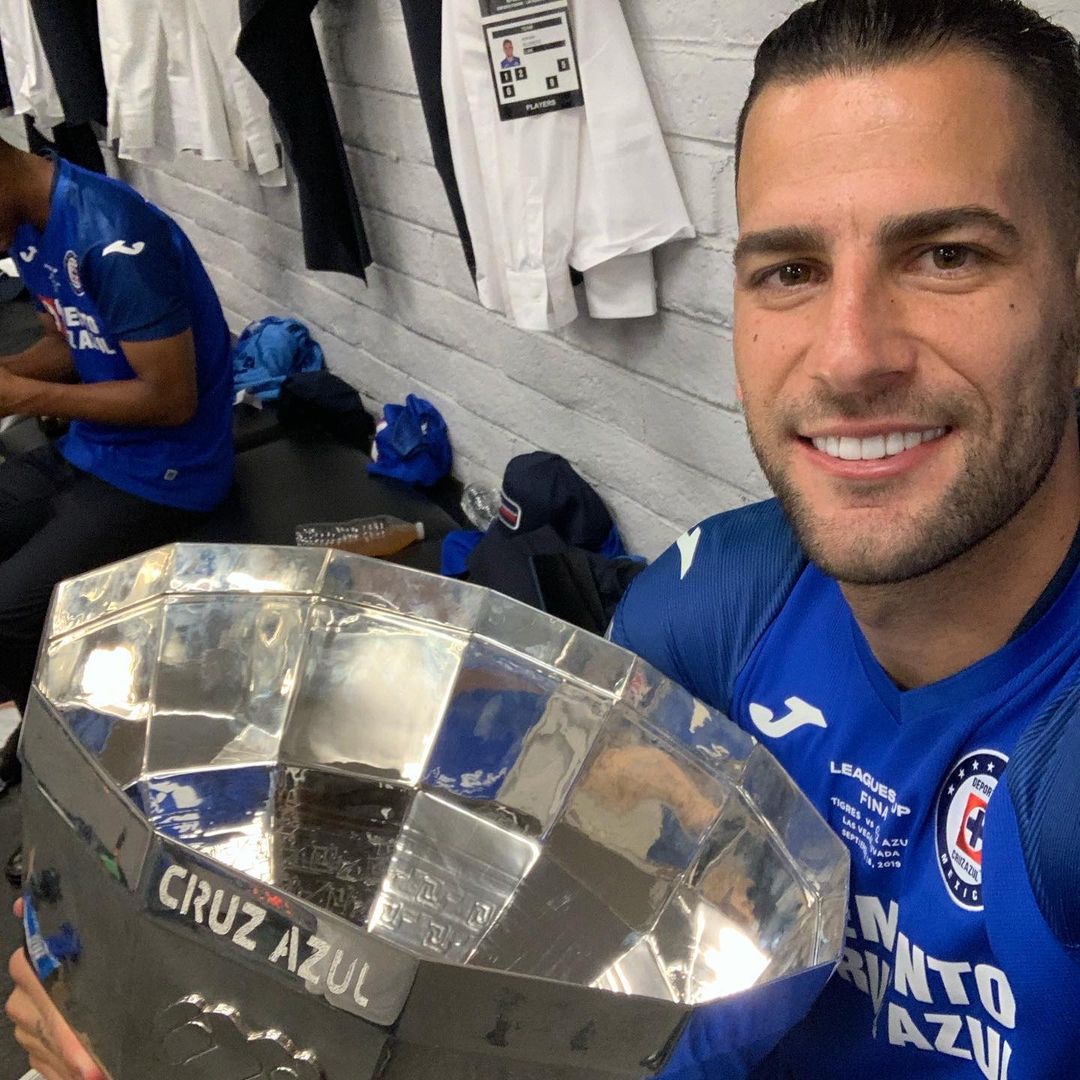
[687, 545]
[961, 822]
[118, 247]
[800, 714]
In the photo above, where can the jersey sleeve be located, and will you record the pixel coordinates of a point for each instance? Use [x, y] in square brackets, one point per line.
[1044, 789]
[699, 610]
[138, 279]
[1031, 871]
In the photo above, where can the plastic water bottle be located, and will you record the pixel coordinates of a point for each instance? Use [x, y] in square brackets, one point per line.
[380, 536]
[480, 505]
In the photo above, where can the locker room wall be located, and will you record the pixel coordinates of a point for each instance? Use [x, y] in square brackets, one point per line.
[645, 409]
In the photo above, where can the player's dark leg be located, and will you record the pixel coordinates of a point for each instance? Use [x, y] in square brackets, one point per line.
[88, 524]
[28, 485]
[82, 524]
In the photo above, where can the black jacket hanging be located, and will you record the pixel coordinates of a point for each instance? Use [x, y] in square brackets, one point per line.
[69, 37]
[76, 143]
[423, 24]
[277, 45]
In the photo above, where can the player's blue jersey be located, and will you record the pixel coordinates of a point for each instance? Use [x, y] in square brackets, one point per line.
[959, 801]
[110, 267]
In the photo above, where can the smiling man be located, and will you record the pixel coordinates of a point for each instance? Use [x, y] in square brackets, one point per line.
[899, 625]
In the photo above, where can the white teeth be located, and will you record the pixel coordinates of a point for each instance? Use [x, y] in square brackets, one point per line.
[850, 449]
[874, 447]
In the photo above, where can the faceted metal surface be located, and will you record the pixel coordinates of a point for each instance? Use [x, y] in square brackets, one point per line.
[329, 817]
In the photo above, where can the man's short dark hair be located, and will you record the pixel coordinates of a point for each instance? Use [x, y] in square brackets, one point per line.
[845, 37]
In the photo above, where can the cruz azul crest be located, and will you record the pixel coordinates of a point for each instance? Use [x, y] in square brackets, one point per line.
[961, 820]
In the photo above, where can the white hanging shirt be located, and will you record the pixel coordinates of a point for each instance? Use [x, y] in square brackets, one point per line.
[255, 142]
[559, 184]
[30, 79]
[133, 57]
[175, 84]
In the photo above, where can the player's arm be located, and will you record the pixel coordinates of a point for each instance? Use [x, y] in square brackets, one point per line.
[48, 359]
[164, 392]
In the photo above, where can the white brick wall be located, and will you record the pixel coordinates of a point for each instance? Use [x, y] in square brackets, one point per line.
[645, 409]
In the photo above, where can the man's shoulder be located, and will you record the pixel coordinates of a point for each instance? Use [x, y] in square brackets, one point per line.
[107, 216]
[734, 556]
[698, 611]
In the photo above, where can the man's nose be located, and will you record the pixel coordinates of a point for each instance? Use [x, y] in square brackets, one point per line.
[859, 344]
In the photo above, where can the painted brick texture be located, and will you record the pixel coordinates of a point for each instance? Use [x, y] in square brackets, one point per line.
[645, 409]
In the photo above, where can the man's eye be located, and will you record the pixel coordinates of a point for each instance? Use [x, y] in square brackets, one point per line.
[794, 274]
[950, 256]
[785, 276]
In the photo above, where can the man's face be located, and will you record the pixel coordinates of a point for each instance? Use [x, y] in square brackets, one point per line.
[508, 49]
[905, 313]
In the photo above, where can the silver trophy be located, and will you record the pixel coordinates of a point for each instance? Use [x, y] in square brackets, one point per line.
[293, 814]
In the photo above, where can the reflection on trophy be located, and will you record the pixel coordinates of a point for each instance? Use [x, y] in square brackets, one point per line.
[292, 813]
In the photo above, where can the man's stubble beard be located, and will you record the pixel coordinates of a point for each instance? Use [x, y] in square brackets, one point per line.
[993, 485]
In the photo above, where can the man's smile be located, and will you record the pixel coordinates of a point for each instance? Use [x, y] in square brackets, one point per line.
[874, 447]
[891, 450]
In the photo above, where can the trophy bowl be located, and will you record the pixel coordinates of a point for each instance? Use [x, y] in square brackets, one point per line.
[294, 813]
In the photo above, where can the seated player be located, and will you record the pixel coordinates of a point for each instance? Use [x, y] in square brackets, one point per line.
[136, 354]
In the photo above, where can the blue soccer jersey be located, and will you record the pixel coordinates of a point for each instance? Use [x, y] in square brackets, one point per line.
[958, 801]
[109, 268]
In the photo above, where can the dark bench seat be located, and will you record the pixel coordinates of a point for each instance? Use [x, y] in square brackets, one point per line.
[303, 477]
[285, 479]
